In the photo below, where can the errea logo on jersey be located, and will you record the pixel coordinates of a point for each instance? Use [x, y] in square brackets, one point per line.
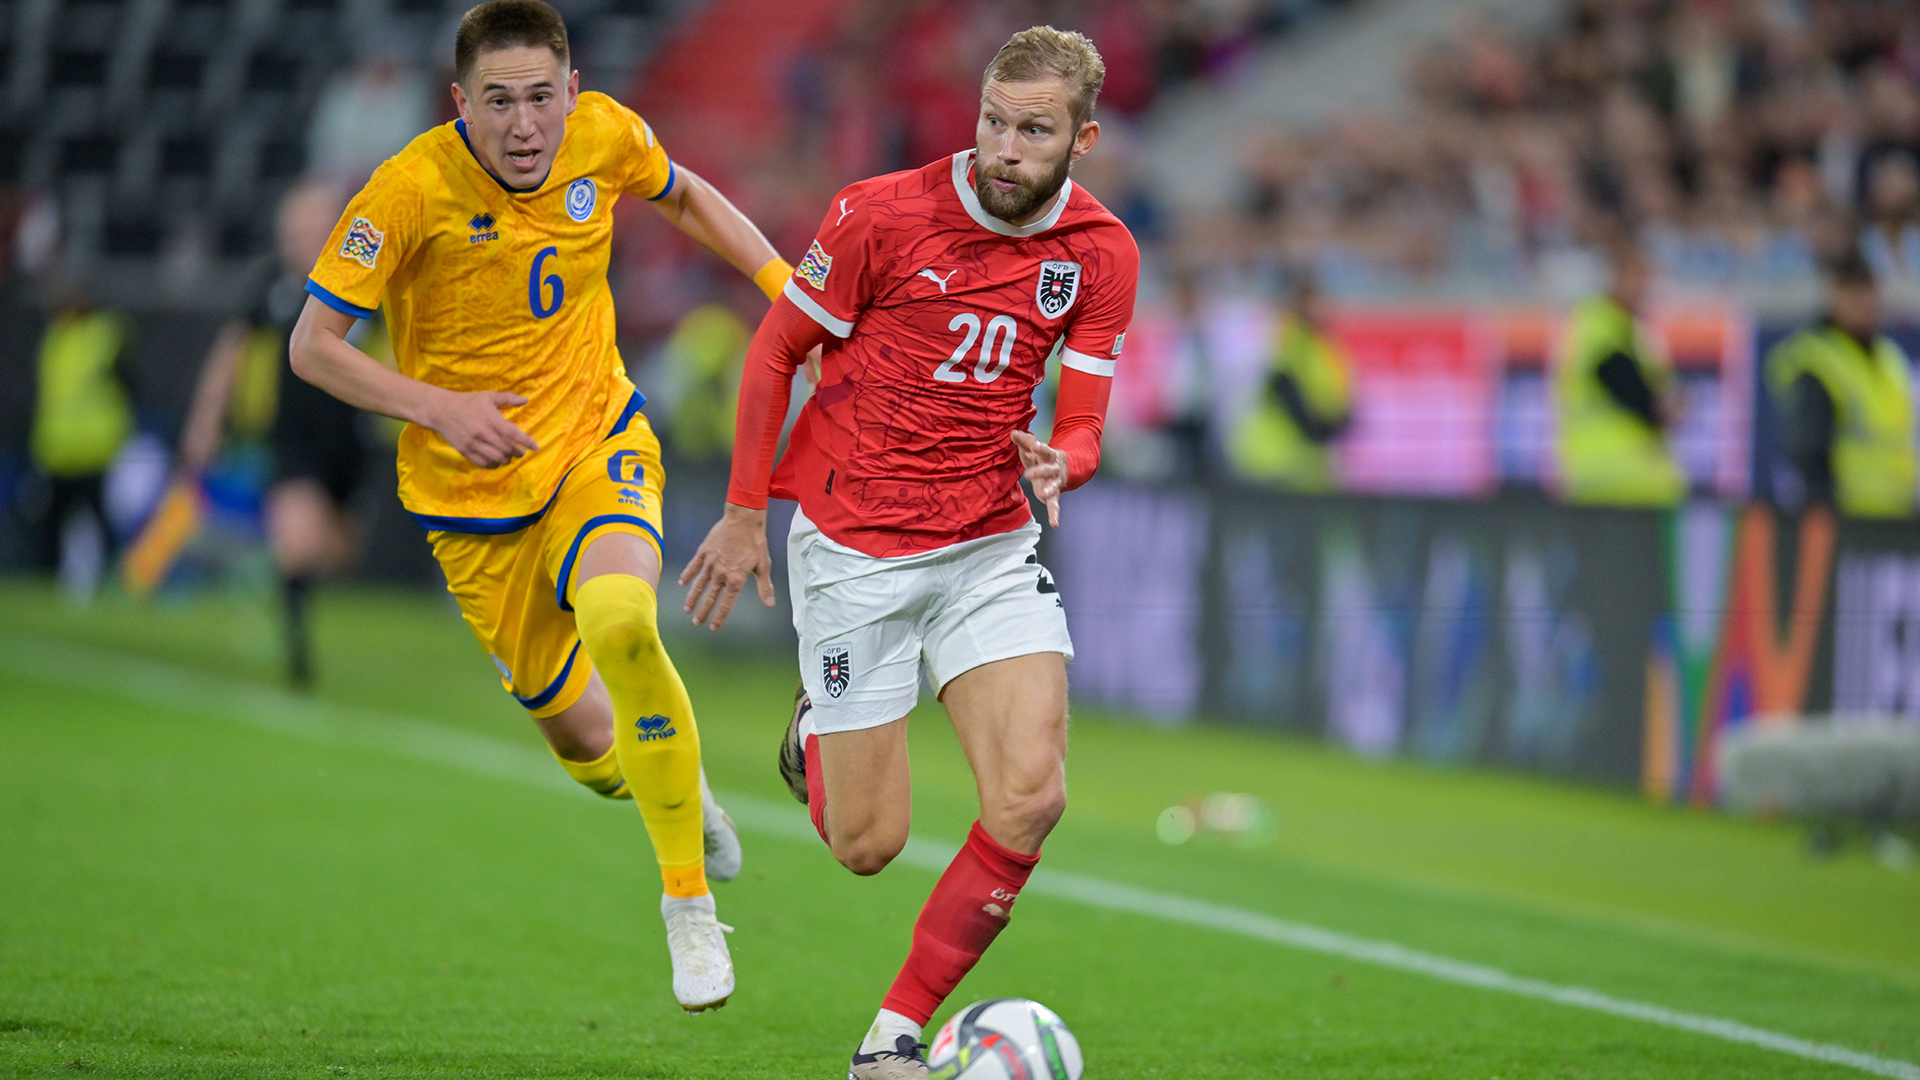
[483, 230]
[813, 269]
[362, 244]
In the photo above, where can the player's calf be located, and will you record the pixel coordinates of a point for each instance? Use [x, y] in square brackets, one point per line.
[866, 794]
[655, 740]
[602, 775]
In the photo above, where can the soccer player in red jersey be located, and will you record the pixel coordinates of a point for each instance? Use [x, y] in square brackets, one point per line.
[938, 295]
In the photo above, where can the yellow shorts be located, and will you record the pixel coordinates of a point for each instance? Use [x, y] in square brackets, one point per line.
[513, 588]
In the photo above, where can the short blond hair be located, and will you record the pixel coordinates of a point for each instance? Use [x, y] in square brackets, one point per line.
[1042, 52]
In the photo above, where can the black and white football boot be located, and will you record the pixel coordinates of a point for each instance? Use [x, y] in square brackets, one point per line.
[793, 745]
[906, 1061]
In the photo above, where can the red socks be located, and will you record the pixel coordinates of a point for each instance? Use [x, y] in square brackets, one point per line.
[966, 912]
[816, 786]
[968, 908]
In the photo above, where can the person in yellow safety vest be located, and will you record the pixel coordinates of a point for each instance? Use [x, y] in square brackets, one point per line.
[1844, 396]
[1305, 403]
[82, 416]
[1615, 397]
[702, 376]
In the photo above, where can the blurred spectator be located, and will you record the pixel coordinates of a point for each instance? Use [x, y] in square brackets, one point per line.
[700, 381]
[1305, 402]
[82, 416]
[1733, 135]
[367, 114]
[1614, 392]
[1844, 394]
[1188, 384]
[247, 398]
[1891, 236]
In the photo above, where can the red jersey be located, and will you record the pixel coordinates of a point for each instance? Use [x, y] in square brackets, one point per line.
[943, 318]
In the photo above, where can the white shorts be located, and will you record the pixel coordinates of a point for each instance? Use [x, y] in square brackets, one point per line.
[866, 623]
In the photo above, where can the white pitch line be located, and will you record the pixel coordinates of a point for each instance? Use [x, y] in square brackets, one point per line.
[168, 687]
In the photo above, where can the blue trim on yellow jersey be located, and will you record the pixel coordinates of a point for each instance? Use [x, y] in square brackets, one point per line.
[540, 699]
[626, 416]
[461, 127]
[479, 526]
[579, 538]
[344, 307]
[663, 191]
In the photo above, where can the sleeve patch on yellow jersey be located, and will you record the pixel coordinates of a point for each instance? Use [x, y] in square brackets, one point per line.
[813, 269]
[362, 244]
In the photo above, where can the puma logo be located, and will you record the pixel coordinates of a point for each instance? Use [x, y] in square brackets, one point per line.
[843, 213]
[937, 279]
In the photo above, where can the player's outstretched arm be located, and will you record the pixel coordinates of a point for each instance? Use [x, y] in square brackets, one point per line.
[200, 437]
[734, 550]
[736, 547]
[1045, 471]
[1073, 455]
[698, 209]
[471, 423]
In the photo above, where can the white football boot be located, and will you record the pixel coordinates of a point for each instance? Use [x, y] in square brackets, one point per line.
[906, 1061]
[697, 941]
[722, 839]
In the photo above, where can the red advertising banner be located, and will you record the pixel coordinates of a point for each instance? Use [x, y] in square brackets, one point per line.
[1424, 385]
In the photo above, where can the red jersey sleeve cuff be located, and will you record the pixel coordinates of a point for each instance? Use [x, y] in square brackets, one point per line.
[750, 500]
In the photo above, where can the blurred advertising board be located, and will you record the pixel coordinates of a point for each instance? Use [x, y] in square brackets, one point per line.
[1423, 390]
[1611, 645]
[1447, 401]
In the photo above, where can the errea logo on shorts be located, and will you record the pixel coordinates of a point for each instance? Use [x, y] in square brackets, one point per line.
[836, 670]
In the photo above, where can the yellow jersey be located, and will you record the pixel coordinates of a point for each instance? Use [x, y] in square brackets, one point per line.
[491, 288]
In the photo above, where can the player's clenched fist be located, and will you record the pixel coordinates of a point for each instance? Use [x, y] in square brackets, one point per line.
[735, 548]
[1046, 471]
[472, 424]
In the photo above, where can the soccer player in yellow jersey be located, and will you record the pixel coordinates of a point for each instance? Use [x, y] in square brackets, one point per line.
[525, 454]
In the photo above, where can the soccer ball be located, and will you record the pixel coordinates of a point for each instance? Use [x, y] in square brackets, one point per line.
[1004, 1039]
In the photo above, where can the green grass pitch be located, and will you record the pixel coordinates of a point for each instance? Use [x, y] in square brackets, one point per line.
[186, 895]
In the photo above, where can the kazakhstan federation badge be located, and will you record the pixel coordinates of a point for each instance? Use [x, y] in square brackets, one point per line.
[835, 670]
[1059, 284]
[581, 196]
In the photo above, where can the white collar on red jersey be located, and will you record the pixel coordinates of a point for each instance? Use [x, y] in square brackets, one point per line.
[962, 164]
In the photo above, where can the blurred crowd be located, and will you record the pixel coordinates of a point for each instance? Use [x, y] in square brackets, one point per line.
[1745, 142]
[1726, 143]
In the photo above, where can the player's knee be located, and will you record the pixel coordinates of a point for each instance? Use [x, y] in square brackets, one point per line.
[869, 852]
[1033, 809]
[632, 639]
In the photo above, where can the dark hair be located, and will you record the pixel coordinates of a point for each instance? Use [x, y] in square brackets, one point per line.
[507, 24]
[1851, 268]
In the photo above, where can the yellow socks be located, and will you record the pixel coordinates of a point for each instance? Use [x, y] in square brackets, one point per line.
[654, 739]
[602, 776]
